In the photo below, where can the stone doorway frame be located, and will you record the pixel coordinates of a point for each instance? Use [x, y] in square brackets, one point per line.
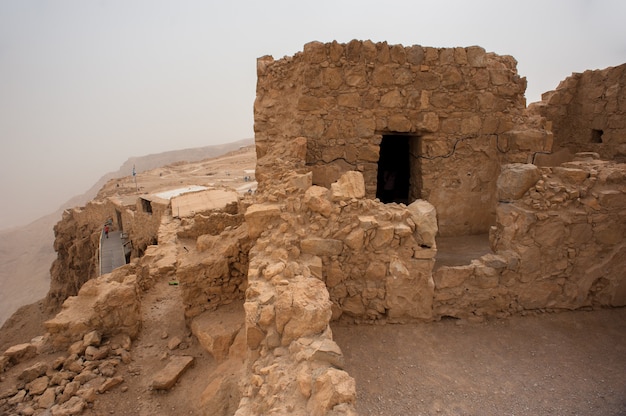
[399, 153]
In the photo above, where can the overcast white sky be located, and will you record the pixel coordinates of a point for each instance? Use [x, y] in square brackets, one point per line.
[86, 84]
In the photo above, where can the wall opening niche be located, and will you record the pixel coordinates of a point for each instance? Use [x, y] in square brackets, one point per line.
[596, 136]
[399, 170]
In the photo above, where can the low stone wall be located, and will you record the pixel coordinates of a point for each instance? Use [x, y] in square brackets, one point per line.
[323, 254]
[559, 243]
[212, 272]
[109, 304]
[587, 112]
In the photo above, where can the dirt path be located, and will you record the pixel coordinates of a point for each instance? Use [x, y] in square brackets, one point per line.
[571, 363]
[163, 320]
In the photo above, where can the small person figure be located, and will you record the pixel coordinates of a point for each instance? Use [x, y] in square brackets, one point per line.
[389, 186]
[106, 231]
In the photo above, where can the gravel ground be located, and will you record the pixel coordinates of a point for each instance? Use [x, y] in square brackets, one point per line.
[570, 363]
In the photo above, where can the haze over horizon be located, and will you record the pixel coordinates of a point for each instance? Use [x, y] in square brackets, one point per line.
[84, 85]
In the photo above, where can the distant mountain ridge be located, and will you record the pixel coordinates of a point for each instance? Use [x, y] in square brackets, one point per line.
[26, 252]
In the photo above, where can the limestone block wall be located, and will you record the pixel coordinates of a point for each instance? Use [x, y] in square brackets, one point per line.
[212, 272]
[588, 112]
[142, 227]
[77, 239]
[559, 243]
[453, 105]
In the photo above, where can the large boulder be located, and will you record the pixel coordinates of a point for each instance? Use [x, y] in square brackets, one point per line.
[109, 306]
[515, 179]
[350, 185]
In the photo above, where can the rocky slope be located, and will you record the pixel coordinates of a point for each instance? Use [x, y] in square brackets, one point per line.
[27, 253]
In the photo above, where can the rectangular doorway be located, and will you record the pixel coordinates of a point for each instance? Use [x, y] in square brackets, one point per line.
[399, 176]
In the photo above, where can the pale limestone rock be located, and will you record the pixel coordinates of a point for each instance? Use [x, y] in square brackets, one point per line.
[7, 390]
[17, 398]
[314, 264]
[355, 240]
[92, 338]
[321, 246]
[301, 182]
[87, 393]
[74, 406]
[571, 175]
[114, 381]
[353, 305]
[222, 395]
[173, 343]
[20, 352]
[317, 199]
[92, 353]
[38, 385]
[350, 185]
[167, 377]
[77, 347]
[217, 333]
[109, 307]
[331, 388]
[302, 309]
[107, 368]
[529, 139]
[515, 179]
[424, 216]
[259, 217]
[69, 390]
[382, 237]
[85, 376]
[47, 399]
[32, 372]
[447, 277]
[327, 351]
[409, 289]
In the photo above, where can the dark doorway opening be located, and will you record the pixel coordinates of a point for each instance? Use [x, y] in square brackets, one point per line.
[596, 136]
[394, 168]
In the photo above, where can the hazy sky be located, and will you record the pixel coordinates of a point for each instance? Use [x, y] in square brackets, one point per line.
[86, 84]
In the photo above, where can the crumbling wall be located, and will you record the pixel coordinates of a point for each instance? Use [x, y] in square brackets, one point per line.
[77, 242]
[142, 227]
[212, 270]
[456, 104]
[323, 254]
[588, 113]
[77, 239]
[109, 304]
[212, 258]
[559, 243]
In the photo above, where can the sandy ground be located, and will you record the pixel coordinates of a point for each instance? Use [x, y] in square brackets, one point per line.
[571, 363]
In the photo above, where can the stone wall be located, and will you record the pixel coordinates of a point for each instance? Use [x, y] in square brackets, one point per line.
[460, 109]
[559, 243]
[77, 240]
[376, 260]
[588, 113]
[212, 270]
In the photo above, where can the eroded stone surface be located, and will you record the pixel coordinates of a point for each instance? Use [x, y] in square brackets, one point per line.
[167, 377]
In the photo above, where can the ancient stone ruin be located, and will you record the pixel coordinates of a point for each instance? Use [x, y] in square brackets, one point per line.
[328, 236]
